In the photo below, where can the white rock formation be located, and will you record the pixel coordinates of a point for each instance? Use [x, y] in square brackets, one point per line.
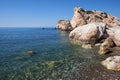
[82, 17]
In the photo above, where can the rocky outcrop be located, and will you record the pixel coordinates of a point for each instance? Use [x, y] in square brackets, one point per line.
[64, 25]
[89, 33]
[112, 63]
[82, 17]
[78, 18]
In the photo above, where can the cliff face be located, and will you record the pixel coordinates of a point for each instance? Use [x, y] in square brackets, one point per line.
[82, 17]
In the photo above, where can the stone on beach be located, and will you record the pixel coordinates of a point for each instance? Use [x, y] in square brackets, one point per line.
[112, 63]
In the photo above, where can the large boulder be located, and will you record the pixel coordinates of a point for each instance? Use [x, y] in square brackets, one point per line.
[89, 33]
[114, 33]
[82, 17]
[64, 25]
[112, 63]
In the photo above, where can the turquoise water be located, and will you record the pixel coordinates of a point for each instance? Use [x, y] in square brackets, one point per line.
[55, 57]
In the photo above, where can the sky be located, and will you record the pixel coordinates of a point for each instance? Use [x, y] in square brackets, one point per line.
[46, 13]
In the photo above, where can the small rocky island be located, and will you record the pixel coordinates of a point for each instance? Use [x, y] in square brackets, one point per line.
[95, 29]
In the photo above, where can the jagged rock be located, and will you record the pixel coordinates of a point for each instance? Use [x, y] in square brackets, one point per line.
[64, 25]
[78, 18]
[112, 63]
[89, 33]
[104, 50]
[82, 17]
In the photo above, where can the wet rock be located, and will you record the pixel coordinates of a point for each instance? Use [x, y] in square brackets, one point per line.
[98, 44]
[112, 63]
[87, 46]
[82, 17]
[64, 25]
[89, 33]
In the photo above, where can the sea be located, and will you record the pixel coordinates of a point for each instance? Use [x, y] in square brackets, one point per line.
[53, 56]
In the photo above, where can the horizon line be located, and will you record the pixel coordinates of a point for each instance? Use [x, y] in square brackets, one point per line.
[27, 26]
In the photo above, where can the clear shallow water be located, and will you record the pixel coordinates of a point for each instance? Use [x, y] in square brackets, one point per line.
[15, 42]
[55, 57]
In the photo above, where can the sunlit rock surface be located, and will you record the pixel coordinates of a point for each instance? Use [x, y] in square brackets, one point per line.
[106, 45]
[78, 18]
[112, 63]
[89, 33]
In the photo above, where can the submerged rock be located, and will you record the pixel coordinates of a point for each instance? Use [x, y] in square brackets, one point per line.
[89, 33]
[31, 53]
[112, 63]
[64, 25]
[51, 64]
[82, 17]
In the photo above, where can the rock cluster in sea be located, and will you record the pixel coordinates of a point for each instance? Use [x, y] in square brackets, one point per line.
[83, 17]
[90, 28]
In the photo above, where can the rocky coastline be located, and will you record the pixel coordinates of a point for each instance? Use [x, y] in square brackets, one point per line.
[95, 29]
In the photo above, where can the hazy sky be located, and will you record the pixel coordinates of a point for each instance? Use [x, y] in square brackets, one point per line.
[36, 13]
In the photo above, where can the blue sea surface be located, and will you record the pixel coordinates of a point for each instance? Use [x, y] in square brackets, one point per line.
[49, 44]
